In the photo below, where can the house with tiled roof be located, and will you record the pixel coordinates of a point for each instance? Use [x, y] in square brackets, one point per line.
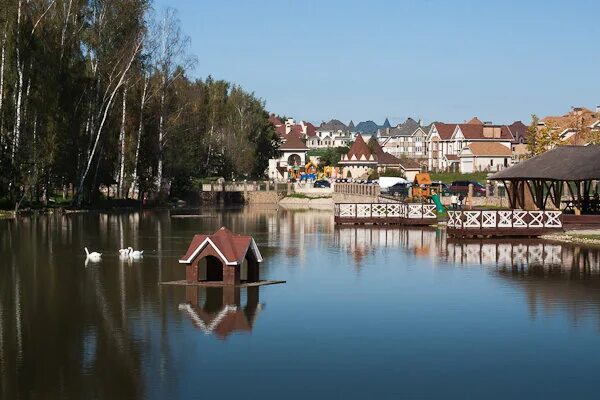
[575, 127]
[404, 140]
[358, 161]
[446, 141]
[291, 161]
[363, 158]
[331, 134]
[484, 156]
[302, 129]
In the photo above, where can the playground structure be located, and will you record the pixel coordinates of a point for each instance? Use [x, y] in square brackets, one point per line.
[310, 172]
[421, 186]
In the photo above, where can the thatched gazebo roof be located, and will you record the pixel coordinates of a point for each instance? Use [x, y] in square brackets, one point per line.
[564, 163]
[546, 174]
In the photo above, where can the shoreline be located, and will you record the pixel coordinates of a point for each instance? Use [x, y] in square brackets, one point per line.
[589, 237]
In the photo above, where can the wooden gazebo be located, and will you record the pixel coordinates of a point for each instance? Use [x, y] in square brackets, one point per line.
[547, 176]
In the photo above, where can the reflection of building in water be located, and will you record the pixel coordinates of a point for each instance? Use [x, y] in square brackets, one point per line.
[362, 240]
[522, 254]
[295, 231]
[219, 310]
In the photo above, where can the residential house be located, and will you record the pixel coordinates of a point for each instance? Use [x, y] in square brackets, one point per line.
[359, 160]
[519, 131]
[303, 129]
[577, 127]
[484, 156]
[405, 140]
[292, 159]
[331, 134]
[410, 168]
[446, 141]
[363, 157]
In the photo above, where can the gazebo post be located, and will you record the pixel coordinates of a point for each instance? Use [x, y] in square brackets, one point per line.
[508, 187]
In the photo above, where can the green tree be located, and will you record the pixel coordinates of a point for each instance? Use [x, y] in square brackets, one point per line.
[541, 137]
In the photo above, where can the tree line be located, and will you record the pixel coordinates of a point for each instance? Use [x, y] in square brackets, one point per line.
[98, 92]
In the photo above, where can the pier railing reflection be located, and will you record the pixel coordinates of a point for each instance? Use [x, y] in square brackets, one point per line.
[523, 254]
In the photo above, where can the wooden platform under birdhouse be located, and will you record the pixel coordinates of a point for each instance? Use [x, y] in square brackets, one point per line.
[242, 284]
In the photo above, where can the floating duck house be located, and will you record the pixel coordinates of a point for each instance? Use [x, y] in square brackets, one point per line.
[223, 258]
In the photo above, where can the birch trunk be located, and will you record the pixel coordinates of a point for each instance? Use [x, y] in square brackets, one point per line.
[122, 146]
[2, 61]
[64, 30]
[134, 183]
[17, 127]
[161, 136]
[106, 107]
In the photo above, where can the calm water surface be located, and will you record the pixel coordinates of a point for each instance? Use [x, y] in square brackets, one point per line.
[365, 313]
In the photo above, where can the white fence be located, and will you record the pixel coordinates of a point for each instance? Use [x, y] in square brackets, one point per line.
[501, 219]
[385, 210]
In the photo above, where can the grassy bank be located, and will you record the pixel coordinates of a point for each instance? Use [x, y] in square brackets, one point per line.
[448, 177]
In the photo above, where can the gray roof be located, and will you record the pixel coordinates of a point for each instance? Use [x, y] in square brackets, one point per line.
[564, 163]
[407, 128]
[333, 125]
[368, 127]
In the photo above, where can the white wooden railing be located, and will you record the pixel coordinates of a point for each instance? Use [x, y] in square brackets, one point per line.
[385, 210]
[484, 219]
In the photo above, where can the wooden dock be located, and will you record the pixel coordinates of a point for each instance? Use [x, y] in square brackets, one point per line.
[413, 214]
[497, 223]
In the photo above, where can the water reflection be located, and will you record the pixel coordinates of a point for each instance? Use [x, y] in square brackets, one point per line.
[525, 255]
[110, 331]
[360, 241]
[221, 311]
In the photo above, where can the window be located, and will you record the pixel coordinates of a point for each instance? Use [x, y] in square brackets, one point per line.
[492, 163]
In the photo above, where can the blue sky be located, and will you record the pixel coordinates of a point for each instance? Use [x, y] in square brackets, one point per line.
[428, 59]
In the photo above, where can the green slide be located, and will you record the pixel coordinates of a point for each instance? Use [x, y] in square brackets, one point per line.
[438, 203]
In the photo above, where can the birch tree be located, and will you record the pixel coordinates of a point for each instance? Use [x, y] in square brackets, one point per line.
[171, 59]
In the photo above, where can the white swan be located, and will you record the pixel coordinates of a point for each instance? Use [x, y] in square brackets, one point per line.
[135, 254]
[124, 252]
[93, 256]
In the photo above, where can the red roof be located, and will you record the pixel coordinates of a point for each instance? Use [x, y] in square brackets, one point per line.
[475, 120]
[475, 131]
[311, 130]
[359, 148]
[280, 130]
[382, 157]
[293, 142]
[445, 130]
[230, 246]
[274, 120]
[296, 130]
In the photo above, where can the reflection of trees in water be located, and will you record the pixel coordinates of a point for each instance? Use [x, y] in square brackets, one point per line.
[66, 330]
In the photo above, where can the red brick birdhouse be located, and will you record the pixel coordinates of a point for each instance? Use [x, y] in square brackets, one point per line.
[223, 258]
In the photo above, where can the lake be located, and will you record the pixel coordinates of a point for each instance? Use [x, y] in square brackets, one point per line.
[365, 313]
